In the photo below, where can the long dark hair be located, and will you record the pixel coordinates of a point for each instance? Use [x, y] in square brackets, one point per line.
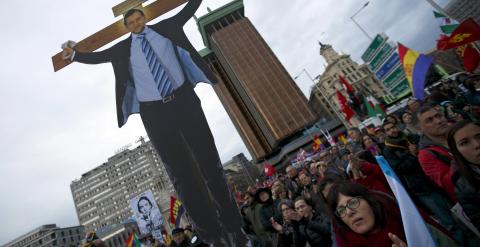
[376, 201]
[463, 164]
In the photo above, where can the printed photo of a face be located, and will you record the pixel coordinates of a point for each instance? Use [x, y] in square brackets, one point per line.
[146, 213]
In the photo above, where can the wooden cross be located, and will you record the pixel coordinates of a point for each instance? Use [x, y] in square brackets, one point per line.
[117, 29]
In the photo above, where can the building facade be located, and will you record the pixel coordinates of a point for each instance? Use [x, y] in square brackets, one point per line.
[462, 9]
[261, 98]
[116, 235]
[101, 196]
[240, 173]
[359, 76]
[49, 236]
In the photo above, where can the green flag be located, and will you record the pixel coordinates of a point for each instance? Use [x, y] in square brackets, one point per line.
[447, 24]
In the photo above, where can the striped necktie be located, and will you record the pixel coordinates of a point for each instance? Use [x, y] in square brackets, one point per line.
[160, 76]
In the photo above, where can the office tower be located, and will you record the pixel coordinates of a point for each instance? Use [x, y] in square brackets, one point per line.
[261, 98]
[102, 194]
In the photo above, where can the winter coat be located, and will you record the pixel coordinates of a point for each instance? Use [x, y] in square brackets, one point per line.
[407, 168]
[435, 161]
[261, 224]
[316, 232]
[468, 196]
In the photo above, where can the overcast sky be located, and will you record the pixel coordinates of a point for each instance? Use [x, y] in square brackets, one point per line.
[56, 126]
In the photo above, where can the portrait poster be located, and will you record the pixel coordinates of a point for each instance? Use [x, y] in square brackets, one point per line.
[147, 214]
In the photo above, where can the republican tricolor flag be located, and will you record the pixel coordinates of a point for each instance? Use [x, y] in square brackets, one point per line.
[416, 67]
[176, 211]
[317, 143]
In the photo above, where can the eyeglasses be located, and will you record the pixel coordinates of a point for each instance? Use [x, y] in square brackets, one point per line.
[352, 203]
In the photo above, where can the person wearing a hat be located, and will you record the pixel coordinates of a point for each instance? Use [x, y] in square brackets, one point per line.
[188, 231]
[262, 213]
[179, 238]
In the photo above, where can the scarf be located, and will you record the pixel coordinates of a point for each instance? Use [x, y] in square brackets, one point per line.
[400, 141]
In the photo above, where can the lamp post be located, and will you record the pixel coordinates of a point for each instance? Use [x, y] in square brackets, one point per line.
[340, 116]
[358, 25]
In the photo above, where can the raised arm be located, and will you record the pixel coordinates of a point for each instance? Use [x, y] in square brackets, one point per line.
[186, 13]
[87, 57]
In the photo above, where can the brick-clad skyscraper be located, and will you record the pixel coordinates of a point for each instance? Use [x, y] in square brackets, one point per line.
[263, 101]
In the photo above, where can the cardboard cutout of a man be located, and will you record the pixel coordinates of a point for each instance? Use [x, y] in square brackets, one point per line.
[156, 68]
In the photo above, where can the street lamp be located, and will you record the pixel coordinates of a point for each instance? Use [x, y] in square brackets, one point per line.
[340, 116]
[351, 17]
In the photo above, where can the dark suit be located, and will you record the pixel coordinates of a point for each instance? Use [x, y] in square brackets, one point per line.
[180, 133]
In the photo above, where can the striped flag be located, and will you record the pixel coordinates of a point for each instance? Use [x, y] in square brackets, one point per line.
[447, 24]
[133, 241]
[416, 68]
[416, 231]
[176, 211]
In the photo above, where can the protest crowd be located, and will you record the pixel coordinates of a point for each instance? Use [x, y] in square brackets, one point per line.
[342, 198]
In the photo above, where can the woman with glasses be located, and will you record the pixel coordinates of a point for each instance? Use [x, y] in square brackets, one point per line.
[364, 218]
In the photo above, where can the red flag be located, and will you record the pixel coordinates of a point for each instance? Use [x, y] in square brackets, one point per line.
[317, 143]
[347, 85]
[468, 31]
[352, 98]
[269, 170]
[470, 56]
[345, 108]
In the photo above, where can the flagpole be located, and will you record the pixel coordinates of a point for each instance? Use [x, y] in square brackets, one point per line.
[358, 25]
[438, 7]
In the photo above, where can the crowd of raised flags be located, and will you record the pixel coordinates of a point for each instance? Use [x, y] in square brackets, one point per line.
[458, 36]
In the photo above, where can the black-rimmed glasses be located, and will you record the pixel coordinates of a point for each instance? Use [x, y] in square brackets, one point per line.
[352, 203]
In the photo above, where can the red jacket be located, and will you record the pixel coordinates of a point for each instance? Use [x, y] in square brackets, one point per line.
[435, 161]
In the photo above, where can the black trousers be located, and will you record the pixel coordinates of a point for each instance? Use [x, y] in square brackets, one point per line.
[180, 134]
